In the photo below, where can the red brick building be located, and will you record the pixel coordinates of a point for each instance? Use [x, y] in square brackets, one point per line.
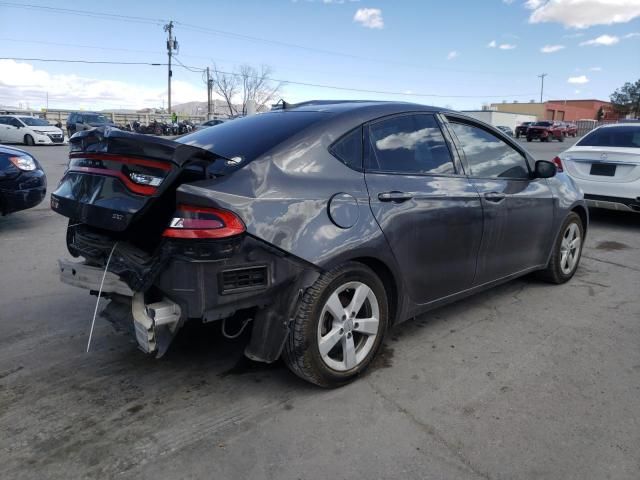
[572, 110]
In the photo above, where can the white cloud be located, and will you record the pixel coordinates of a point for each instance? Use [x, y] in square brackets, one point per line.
[583, 13]
[573, 35]
[369, 17]
[606, 40]
[631, 35]
[576, 91]
[595, 69]
[551, 48]
[580, 80]
[22, 83]
[508, 2]
[502, 46]
[452, 54]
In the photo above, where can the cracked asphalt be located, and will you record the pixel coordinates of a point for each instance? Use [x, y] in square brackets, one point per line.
[526, 381]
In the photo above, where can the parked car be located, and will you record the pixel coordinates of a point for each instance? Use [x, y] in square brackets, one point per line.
[324, 223]
[571, 129]
[545, 131]
[506, 130]
[210, 123]
[29, 131]
[605, 164]
[79, 121]
[521, 130]
[23, 183]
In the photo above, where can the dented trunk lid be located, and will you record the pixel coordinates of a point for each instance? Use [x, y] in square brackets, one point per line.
[114, 177]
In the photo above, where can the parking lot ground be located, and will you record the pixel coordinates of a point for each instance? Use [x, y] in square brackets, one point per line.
[525, 381]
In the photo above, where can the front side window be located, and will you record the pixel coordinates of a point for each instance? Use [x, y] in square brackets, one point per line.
[410, 144]
[489, 156]
[16, 123]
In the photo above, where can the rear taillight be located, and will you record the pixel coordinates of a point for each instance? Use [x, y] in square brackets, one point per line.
[200, 222]
[558, 163]
[140, 175]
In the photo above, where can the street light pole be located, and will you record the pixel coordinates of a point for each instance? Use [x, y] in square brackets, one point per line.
[541, 77]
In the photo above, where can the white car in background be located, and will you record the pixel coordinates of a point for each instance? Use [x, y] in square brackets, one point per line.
[29, 131]
[605, 164]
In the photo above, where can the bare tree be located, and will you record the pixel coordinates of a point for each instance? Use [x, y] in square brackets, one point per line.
[244, 85]
[226, 85]
[257, 86]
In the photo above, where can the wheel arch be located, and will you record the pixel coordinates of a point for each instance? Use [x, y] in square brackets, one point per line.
[583, 214]
[389, 282]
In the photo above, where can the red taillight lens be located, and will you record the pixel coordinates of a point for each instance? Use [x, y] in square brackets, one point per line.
[201, 222]
[558, 163]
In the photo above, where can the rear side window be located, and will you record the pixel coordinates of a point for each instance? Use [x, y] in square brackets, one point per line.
[410, 144]
[348, 149]
[627, 137]
[488, 155]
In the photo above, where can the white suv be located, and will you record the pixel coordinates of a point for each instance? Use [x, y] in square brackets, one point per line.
[605, 164]
[29, 131]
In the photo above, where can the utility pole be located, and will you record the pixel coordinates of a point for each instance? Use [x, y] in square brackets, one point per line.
[172, 46]
[541, 77]
[209, 85]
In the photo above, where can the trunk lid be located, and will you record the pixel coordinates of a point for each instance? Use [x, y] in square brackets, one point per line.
[114, 177]
[603, 164]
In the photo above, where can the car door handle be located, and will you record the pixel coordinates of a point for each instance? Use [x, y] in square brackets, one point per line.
[395, 196]
[495, 197]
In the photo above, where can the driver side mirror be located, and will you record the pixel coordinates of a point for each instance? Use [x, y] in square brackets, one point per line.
[545, 169]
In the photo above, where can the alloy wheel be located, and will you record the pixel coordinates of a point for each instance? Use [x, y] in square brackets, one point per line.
[348, 327]
[570, 248]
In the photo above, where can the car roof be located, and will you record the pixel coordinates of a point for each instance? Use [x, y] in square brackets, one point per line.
[340, 106]
[624, 124]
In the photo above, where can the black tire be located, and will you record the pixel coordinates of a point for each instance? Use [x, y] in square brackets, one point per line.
[561, 138]
[554, 273]
[529, 139]
[28, 140]
[302, 351]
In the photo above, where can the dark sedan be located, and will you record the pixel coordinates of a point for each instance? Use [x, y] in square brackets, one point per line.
[317, 226]
[23, 183]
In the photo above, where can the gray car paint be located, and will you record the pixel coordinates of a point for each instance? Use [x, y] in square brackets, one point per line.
[430, 244]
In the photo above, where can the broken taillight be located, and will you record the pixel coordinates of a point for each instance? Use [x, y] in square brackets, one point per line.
[201, 222]
[558, 162]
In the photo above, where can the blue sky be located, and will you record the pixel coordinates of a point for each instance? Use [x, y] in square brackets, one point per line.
[467, 52]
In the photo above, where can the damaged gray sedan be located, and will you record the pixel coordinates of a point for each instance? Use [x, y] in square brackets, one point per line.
[323, 223]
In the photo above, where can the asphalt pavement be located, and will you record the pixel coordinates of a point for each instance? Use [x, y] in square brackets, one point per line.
[525, 381]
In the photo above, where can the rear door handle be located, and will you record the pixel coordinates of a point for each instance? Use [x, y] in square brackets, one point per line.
[495, 197]
[398, 197]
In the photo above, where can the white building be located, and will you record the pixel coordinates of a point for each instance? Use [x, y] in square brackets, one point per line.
[500, 118]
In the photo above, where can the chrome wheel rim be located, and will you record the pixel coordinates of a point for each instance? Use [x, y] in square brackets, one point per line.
[348, 327]
[570, 248]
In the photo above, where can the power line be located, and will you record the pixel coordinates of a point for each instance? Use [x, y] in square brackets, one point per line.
[283, 81]
[217, 32]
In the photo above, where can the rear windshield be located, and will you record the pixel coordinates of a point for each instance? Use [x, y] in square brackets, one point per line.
[627, 136]
[95, 118]
[245, 139]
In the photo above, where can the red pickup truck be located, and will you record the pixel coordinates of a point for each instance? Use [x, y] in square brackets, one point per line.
[545, 131]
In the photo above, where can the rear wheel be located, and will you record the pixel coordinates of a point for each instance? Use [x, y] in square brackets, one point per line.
[28, 140]
[339, 326]
[561, 138]
[529, 139]
[566, 252]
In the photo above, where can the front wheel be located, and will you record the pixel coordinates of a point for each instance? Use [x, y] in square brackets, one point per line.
[566, 252]
[339, 326]
[28, 140]
[529, 139]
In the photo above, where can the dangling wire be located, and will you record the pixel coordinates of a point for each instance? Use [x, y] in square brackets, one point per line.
[235, 335]
[95, 312]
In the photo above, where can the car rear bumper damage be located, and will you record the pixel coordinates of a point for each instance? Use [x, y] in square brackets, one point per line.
[207, 281]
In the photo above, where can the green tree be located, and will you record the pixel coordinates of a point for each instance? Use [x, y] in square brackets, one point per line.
[626, 99]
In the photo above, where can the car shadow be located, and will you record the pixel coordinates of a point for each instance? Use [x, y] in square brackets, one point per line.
[613, 218]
